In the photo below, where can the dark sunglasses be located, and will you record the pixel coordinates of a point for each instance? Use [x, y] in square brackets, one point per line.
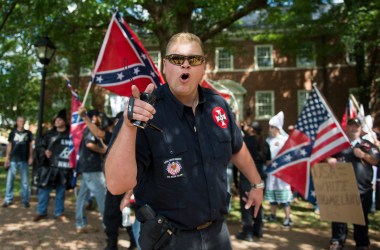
[193, 60]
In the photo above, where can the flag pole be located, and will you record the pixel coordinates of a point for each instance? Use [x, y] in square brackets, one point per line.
[329, 111]
[352, 97]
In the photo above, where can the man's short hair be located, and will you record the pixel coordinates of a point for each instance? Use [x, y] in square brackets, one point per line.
[184, 37]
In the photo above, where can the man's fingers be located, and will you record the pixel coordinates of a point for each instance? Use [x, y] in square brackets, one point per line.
[255, 213]
[135, 92]
[149, 89]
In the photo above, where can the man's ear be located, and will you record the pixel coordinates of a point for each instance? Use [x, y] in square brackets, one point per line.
[163, 69]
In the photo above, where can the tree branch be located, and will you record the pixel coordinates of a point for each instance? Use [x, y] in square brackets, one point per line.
[218, 27]
[7, 14]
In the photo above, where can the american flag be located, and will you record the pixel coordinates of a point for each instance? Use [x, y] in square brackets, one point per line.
[77, 127]
[123, 61]
[317, 135]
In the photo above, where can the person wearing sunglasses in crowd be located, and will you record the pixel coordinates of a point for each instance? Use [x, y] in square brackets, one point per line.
[178, 171]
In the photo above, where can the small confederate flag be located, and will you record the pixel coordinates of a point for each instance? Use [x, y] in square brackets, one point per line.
[317, 135]
[350, 112]
[123, 61]
[207, 83]
[76, 128]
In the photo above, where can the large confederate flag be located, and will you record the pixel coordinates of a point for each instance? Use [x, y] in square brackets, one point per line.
[317, 135]
[123, 61]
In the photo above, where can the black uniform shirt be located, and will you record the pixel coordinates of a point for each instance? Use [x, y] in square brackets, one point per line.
[182, 171]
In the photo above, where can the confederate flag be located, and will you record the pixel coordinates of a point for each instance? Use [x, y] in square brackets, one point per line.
[123, 61]
[317, 135]
[76, 128]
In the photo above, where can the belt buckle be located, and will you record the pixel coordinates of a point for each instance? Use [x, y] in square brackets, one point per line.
[203, 226]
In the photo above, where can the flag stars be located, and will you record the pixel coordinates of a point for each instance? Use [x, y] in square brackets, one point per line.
[274, 164]
[153, 74]
[120, 76]
[143, 56]
[303, 152]
[136, 71]
[99, 79]
[288, 158]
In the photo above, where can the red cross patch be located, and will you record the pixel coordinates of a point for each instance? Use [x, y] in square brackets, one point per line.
[220, 117]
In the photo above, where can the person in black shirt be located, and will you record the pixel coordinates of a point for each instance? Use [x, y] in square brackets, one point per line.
[54, 149]
[363, 155]
[179, 170]
[19, 154]
[259, 149]
[90, 166]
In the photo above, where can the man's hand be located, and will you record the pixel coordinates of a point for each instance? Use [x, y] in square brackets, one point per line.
[48, 153]
[142, 111]
[331, 161]
[30, 161]
[255, 198]
[126, 201]
[6, 163]
[82, 111]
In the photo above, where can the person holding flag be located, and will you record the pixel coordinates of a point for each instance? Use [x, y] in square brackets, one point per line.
[363, 155]
[179, 170]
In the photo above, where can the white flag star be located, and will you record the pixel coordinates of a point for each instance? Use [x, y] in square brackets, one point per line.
[99, 79]
[274, 164]
[288, 158]
[136, 71]
[143, 56]
[120, 76]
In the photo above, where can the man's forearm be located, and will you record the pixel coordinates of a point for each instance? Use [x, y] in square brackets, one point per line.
[120, 165]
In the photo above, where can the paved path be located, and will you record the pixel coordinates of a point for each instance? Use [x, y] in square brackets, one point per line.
[18, 231]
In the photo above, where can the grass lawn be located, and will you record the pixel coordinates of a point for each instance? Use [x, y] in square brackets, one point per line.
[302, 212]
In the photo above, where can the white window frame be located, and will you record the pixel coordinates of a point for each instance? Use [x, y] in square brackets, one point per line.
[158, 62]
[257, 56]
[259, 115]
[218, 67]
[302, 96]
[306, 61]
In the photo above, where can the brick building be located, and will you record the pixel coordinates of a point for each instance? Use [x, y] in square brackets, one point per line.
[275, 82]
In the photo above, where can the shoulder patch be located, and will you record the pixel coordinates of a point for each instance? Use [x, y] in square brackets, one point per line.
[220, 117]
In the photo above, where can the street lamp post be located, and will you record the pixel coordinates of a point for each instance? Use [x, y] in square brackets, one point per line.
[45, 52]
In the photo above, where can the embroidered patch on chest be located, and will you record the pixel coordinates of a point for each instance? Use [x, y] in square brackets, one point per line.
[220, 117]
[173, 168]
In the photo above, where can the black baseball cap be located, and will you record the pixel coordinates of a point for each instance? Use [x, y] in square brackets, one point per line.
[354, 121]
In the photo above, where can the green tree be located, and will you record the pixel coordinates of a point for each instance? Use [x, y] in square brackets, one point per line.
[333, 28]
[77, 28]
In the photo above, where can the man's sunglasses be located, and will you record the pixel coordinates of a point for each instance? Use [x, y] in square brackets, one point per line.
[193, 60]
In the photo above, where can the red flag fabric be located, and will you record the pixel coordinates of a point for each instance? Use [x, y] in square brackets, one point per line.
[77, 127]
[123, 61]
[317, 135]
[350, 112]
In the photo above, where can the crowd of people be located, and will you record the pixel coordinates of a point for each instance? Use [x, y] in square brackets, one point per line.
[186, 156]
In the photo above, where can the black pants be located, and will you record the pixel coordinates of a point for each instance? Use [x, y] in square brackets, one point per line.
[340, 230]
[112, 215]
[251, 225]
[214, 237]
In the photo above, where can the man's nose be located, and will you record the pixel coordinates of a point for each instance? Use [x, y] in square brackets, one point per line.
[186, 64]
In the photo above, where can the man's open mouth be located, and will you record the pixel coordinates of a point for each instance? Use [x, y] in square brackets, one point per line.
[185, 76]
